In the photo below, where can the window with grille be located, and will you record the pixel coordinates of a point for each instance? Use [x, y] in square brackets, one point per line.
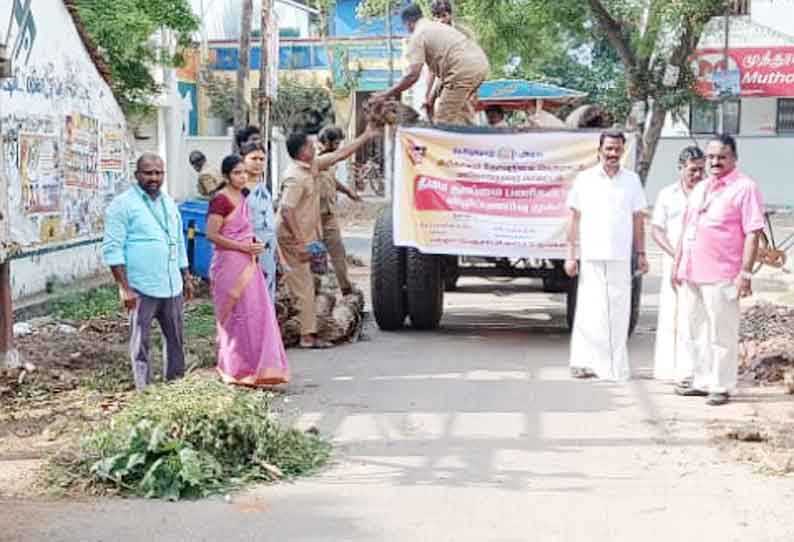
[704, 117]
[785, 115]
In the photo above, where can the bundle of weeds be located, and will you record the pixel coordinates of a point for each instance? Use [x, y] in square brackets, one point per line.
[190, 439]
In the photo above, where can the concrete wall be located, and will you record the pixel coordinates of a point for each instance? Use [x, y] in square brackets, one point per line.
[64, 147]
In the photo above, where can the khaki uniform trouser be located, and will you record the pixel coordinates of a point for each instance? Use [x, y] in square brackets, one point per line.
[332, 238]
[300, 282]
[454, 105]
[712, 336]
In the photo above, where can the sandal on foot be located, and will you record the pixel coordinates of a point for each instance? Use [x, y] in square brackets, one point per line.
[689, 391]
[582, 373]
[717, 399]
[316, 345]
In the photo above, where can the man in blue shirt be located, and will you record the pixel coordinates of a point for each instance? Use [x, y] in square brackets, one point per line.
[145, 249]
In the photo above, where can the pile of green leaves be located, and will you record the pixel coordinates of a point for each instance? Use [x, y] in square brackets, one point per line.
[191, 439]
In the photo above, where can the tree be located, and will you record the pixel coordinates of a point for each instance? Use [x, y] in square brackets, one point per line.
[123, 29]
[654, 40]
[301, 106]
[240, 109]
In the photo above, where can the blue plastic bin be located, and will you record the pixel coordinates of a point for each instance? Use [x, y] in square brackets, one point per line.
[199, 249]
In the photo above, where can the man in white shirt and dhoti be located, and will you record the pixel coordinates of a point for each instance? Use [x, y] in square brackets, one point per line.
[671, 361]
[607, 205]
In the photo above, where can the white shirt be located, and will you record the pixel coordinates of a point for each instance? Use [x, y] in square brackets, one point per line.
[607, 206]
[668, 212]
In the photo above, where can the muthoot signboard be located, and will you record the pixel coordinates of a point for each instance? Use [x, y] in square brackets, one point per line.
[763, 71]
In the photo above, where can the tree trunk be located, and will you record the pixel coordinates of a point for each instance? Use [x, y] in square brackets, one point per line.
[650, 140]
[240, 106]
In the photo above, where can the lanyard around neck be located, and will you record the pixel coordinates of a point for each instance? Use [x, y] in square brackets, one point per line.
[163, 226]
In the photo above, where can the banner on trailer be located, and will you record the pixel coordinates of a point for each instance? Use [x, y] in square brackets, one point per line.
[488, 194]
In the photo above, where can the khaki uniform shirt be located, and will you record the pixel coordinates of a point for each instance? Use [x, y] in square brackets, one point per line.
[328, 191]
[446, 51]
[301, 193]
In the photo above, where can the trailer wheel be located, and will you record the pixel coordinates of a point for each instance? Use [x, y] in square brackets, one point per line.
[387, 282]
[636, 297]
[451, 273]
[570, 302]
[425, 287]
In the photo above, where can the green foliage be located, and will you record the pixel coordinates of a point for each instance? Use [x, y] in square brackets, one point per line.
[99, 303]
[221, 99]
[124, 30]
[190, 439]
[301, 106]
[374, 9]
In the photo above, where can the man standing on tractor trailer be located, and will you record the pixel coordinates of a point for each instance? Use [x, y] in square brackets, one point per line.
[670, 360]
[607, 203]
[457, 61]
[442, 12]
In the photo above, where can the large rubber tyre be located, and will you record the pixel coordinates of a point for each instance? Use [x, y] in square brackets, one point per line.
[451, 273]
[387, 282]
[555, 285]
[636, 298]
[425, 288]
[570, 302]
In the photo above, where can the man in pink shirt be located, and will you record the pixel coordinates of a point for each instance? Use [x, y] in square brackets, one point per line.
[713, 266]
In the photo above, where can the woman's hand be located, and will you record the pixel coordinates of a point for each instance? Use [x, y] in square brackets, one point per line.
[254, 248]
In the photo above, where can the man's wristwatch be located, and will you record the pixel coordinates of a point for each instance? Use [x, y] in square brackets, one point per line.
[746, 275]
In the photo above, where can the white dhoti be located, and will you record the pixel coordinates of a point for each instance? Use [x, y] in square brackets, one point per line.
[670, 360]
[601, 323]
[712, 338]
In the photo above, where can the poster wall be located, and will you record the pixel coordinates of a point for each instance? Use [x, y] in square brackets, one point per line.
[65, 152]
[487, 194]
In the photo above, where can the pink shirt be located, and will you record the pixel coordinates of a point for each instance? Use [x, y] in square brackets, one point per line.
[720, 213]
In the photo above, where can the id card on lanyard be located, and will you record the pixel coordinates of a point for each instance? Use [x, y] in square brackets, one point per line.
[172, 248]
[709, 195]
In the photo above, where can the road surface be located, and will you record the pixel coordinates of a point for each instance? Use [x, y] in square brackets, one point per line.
[473, 433]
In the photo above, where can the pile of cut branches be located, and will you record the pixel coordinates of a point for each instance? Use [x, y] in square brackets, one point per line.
[189, 439]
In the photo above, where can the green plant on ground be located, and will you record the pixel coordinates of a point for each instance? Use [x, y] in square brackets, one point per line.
[189, 439]
[200, 319]
[99, 303]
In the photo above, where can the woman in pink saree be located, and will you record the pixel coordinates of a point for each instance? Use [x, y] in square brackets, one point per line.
[250, 349]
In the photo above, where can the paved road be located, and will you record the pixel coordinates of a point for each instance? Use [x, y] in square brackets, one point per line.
[472, 433]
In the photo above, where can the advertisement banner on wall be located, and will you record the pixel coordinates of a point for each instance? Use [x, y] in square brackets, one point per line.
[487, 194]
[762, 71]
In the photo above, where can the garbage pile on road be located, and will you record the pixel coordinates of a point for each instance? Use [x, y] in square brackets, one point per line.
[339, 317]
[766, 350]
[390, 112]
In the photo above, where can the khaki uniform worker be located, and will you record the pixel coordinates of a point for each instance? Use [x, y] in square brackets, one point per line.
[457, 61]
[298, 222]
[329, 139]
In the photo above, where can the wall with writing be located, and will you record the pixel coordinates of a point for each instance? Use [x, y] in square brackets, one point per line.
[65, 151]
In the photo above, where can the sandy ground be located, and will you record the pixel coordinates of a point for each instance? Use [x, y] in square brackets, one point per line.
[476, 432]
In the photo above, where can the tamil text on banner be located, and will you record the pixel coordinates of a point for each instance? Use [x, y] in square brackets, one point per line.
[487, 194]
[763, 71]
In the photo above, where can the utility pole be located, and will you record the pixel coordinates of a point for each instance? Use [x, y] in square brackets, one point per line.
[9, 357]
[265, 67]
[725, 58]
[390, 133]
